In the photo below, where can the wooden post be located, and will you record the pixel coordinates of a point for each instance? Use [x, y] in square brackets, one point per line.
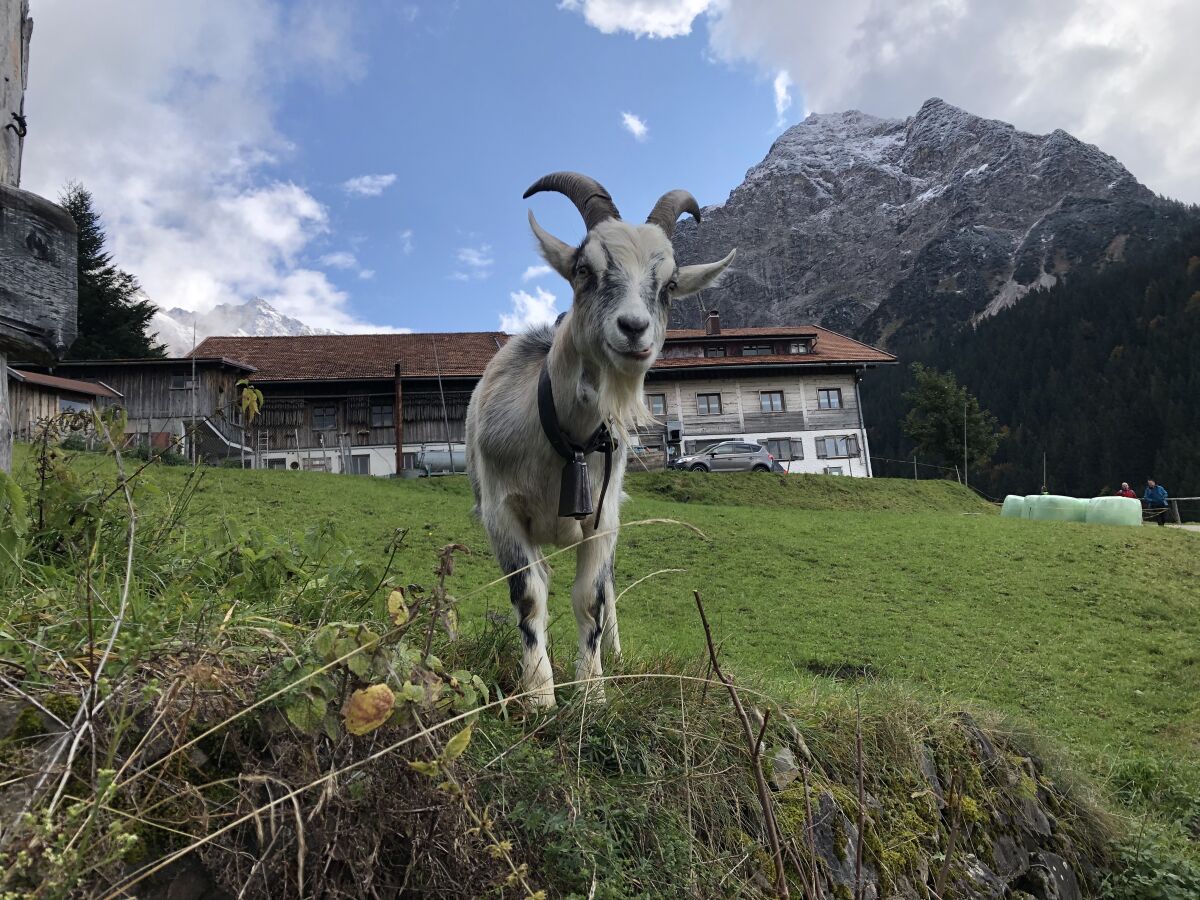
[398, 423]
[38, 290]
[1175, 512]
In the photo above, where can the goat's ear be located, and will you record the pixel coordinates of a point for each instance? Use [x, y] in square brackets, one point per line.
[560, 255]
[694, 278]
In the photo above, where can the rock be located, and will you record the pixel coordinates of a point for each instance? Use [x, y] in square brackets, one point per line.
[784, 769]
[1010, 859]
[186, 879]
[928, 767]
[890, 229]
[1050, 878]
[979, 882]
[835, 837]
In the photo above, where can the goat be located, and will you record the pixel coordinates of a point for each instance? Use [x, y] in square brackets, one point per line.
[549, 388]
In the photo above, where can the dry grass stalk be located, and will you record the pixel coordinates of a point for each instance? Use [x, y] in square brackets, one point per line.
[760, 781]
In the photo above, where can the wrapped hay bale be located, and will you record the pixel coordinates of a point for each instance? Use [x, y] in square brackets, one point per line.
[1114, 511]
[1056, 508]
[1014, 507]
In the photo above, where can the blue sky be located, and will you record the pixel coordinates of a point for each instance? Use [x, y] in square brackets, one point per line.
[360, 164]
[467, 107]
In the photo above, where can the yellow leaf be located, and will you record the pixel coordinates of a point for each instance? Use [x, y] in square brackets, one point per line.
[397, 611]
[457, 745]
[425, 768]
[367, 709]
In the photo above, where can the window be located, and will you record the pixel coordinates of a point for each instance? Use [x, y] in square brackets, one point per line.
[757, 350]
[839, 445]
[693, 447]
[708, 404]
[277, 462]
[316, 464]
[324, 418]
[714, 351]
[408, 461]
[784, 449]
[771, 401]
[65, 405]
[360, 464]
[829, 398]
[657, 404]
[381, 415]
[799, 347]
[181, 382]
[724, 449]
[834, 470]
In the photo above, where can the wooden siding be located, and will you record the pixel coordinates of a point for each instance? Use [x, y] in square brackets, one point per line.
[287, 419]
[32, 403]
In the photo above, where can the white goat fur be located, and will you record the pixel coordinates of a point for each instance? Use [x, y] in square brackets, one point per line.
[623, 276]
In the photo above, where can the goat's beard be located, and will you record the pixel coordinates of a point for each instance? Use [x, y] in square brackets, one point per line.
[621, 402]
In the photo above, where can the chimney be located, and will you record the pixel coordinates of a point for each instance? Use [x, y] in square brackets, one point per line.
[712, 324]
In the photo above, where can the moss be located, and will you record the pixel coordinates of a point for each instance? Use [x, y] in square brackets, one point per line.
[62, 705]
[28, 725]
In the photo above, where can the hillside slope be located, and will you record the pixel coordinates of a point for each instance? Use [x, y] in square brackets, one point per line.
[1099, 373]
[893, 229]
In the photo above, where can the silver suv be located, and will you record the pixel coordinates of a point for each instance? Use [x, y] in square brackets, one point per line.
[729, 456]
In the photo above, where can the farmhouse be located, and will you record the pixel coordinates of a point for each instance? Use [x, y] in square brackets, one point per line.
[331, 401]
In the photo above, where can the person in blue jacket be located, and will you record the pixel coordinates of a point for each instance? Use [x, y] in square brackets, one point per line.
[1156, 498]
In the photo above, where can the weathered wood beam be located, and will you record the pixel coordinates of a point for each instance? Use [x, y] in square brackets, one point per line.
[38, 242]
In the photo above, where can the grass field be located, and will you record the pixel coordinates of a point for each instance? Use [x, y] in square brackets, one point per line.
[1090, 634]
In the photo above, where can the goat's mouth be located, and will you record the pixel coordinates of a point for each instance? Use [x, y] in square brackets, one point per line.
[637, 355]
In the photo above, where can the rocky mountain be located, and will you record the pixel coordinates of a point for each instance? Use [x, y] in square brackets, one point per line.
[173, 327]
[895, 229]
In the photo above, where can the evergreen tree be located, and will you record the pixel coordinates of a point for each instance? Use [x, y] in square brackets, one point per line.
[112, 319]
[943, 414]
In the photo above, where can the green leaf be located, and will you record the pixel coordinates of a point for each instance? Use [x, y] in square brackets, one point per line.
[323, 643]
[431, 769]
[457, 745]
[307, 712]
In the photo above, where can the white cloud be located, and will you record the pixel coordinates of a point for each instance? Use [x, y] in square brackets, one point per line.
[783, 96]
[406, 241]
[529, 309]
[476, 263]
[366, 274]
[642, 18]
[368, 185]
[533, 272]
[341, 259]
[634, 125]
[181, 143]
[1111, 72]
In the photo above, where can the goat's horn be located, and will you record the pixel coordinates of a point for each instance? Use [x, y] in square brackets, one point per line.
[671, 206]
[588, 195]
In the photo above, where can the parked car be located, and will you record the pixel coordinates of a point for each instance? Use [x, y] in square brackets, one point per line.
[729, 456]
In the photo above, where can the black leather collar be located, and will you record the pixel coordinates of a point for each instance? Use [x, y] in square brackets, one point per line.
[575, 492]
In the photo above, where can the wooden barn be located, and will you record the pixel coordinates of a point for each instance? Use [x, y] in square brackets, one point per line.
[366, 404]
[35, 397]
[167, 400]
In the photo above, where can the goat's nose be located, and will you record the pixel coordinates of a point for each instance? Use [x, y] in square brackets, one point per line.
[632, 326]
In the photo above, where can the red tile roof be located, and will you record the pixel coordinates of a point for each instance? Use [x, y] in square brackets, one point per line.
[828, 348]
[351, 356]
[66, 385]
[370, 356]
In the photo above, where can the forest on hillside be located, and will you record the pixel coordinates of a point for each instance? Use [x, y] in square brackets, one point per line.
[1100, 373]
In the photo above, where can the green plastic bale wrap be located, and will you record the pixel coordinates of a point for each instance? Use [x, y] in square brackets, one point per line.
[1114, 511]
[1014, 507]
[1056, 508]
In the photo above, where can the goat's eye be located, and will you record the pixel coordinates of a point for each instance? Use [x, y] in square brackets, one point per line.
[671, 286]
[582, 271]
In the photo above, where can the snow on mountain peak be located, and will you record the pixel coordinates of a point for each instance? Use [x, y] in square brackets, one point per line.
[254, 318]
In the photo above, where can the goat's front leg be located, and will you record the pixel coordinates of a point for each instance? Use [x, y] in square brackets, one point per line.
[592, 598]
[527, 588]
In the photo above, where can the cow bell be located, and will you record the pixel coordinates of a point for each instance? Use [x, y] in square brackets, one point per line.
[575, 494]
